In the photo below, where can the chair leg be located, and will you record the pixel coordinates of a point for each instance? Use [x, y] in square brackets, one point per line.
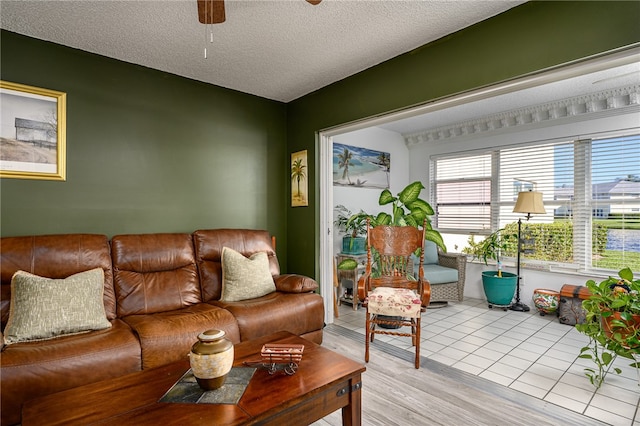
[368, 336]
[417, 338]
[413, 332]
[373, 330]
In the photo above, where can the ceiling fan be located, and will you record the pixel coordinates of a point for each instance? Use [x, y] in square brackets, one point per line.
[212, 11]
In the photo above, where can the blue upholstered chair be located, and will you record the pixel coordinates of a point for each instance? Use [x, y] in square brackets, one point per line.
[446, 274]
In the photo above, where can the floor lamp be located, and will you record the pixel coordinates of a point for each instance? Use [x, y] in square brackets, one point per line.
[529, 202]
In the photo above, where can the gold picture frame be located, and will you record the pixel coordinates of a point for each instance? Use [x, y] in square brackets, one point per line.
[299, 179]
[32, 132]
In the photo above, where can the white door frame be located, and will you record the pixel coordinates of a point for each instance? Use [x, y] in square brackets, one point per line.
[325, 169]
[326, 225]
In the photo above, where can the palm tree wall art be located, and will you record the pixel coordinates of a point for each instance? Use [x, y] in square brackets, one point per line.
[299, 187]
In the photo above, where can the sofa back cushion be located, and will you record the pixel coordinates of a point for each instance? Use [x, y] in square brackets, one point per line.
[209, 244]
[154, 273]
[430, 253]
[58, 257]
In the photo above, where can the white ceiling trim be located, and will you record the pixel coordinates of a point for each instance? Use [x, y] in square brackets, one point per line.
[593, 105]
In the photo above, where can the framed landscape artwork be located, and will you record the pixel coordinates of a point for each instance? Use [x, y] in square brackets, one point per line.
[358, 167]
[299, 182]
[32, 132]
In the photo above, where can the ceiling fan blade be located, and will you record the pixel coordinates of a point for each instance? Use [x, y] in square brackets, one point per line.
[314, 2]
[211, 11]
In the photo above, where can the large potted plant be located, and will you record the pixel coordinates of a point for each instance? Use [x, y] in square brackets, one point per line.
[353, 241]
[612, 323]
[499, 286]
[407, 209]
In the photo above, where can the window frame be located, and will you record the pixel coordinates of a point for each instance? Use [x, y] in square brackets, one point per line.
[581, 204]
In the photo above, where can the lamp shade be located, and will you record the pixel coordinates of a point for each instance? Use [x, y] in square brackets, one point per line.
[529, 202]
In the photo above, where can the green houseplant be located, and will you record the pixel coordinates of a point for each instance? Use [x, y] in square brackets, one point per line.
[499, 287]
[612, 323]
[353, 241]
[407, 209]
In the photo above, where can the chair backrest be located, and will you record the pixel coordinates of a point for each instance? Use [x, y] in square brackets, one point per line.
[394, 246]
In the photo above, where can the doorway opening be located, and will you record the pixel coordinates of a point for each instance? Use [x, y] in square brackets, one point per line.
[418, 126]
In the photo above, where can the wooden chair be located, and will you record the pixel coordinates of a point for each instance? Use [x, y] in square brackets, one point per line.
[336, 286]
[391, 295]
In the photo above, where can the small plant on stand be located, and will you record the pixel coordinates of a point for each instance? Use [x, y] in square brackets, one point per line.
[353, 230]
[612, 324]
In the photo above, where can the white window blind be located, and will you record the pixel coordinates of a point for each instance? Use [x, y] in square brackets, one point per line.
[463, 193]
[615, 201]
[546, 168]
[591, 192]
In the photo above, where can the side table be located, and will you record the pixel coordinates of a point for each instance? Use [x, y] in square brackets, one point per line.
[348, 280]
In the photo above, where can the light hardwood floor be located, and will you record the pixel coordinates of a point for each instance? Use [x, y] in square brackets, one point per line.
[395, 393]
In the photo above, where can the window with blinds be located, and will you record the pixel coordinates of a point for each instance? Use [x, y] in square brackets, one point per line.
[615, 202]
[591, 191]
[463, 191]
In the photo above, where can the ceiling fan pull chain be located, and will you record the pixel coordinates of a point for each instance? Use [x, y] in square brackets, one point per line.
[206, 29]
[210, 39]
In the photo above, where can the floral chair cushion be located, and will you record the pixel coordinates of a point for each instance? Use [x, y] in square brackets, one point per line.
[389, 301]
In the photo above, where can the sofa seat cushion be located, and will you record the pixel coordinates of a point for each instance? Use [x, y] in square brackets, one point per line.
[44, 308]
[166, 337]
[34, 369]
[437, 274]
[298, 313]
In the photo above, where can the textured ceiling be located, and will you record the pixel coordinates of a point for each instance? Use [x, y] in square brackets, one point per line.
[279, 50]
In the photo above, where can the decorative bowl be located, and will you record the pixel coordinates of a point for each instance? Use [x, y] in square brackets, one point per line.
[546, 301]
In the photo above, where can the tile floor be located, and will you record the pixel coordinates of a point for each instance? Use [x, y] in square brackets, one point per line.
[524, 351]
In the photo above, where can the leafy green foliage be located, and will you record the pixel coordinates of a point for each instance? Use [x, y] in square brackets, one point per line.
[493, 246]
[550, 241]
[407, 209]
[610, 337]
[348, 264]
[355, 227]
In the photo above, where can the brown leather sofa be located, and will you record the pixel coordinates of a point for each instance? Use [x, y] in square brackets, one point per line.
[160, 292]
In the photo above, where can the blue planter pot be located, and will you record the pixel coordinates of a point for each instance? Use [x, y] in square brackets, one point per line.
[499, 290]
[355, 245]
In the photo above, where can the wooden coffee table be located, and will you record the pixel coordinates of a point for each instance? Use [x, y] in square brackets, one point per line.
[325, 381]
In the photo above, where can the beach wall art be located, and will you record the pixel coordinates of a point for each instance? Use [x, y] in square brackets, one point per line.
[358, 167]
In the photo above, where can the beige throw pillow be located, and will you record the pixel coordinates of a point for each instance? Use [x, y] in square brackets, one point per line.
[44, 308]
[244, 278]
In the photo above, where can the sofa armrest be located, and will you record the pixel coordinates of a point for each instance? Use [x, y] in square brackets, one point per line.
[452, 260]
[294, 283]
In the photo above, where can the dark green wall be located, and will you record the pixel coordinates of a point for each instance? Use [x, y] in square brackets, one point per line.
[525, 39]
[151, 152]
[148, 151]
